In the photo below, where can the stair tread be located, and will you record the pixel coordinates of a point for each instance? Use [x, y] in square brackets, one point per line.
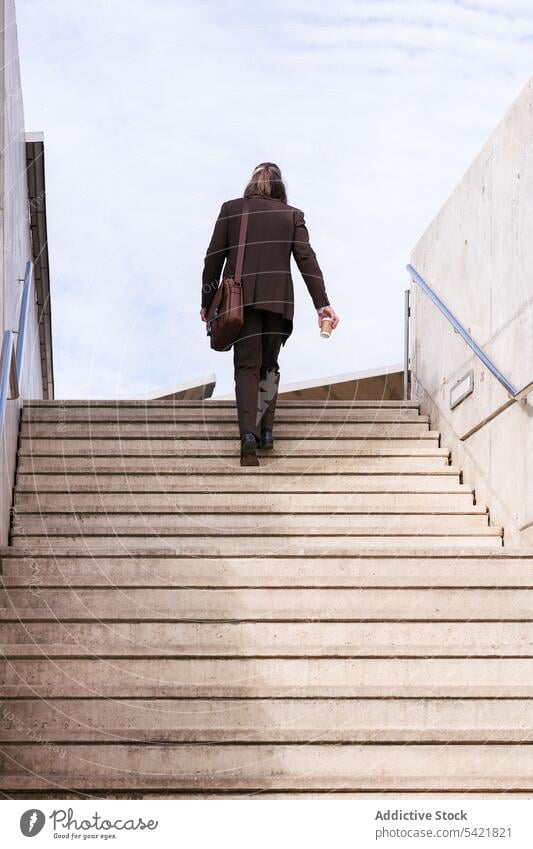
[456, 551]
[207, 417]
[270, 604]
[118, 448]
[208, 402]
[164, 570]
[173, 535]
[269, 720]
[169, 511]
[337, 509]
[305, 546]
[314, 766]
[267, 639]
[370, 502]
[260, 678]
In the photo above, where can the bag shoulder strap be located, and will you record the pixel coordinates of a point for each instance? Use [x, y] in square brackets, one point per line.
[242, 240]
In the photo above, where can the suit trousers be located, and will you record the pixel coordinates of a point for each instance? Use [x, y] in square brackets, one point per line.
[255, 357]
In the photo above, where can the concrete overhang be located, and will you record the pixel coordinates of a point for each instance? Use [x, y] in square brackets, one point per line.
[191, 390]
[39, 243]
[379, 384]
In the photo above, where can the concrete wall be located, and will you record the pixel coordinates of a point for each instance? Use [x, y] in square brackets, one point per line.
[381, 384]
[477, 255]
[14, 242]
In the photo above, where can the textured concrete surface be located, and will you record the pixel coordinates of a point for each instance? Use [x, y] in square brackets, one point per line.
[307, 766]
[15, 245]
[478, 256]
[341, 621]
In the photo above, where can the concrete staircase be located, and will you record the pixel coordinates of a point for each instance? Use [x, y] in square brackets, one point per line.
[343, 619]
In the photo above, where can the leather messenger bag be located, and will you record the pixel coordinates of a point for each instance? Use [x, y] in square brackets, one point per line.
[225, 313]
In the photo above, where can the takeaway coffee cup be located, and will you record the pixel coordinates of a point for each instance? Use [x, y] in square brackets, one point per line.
[326, 327]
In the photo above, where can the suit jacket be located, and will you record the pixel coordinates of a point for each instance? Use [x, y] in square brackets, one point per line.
[275, 232]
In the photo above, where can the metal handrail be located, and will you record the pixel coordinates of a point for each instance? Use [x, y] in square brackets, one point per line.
[12, 358]
[516, 394]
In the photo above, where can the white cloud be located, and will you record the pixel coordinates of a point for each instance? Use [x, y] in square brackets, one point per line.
[155, 111]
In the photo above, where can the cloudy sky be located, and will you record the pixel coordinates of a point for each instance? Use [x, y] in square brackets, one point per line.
[155, 111]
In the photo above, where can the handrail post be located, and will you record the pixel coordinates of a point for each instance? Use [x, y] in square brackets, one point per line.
[407, 313]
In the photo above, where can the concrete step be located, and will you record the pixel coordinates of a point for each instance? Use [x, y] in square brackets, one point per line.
[102, 522]
[267, 639]
[230, 479]
[446, 767]
[233, 545]
[277, 605]
[407, 430]
[278, 795]
[228, 447]
[229, 465]
[369, 503]
[492, 569]
[267, 720]
[233, 538]
[256, 677]
[206, 415]
[215, 404]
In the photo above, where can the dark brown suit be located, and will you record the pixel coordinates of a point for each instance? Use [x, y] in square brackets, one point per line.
[275, 232]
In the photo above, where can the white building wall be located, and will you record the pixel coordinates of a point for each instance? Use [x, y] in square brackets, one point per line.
[15, 244]
[477, 255]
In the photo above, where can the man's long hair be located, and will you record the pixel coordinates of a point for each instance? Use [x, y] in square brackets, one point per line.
[267, 182]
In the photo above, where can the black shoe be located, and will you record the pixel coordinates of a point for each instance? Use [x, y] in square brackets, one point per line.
[267, 440]
[249, 449]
